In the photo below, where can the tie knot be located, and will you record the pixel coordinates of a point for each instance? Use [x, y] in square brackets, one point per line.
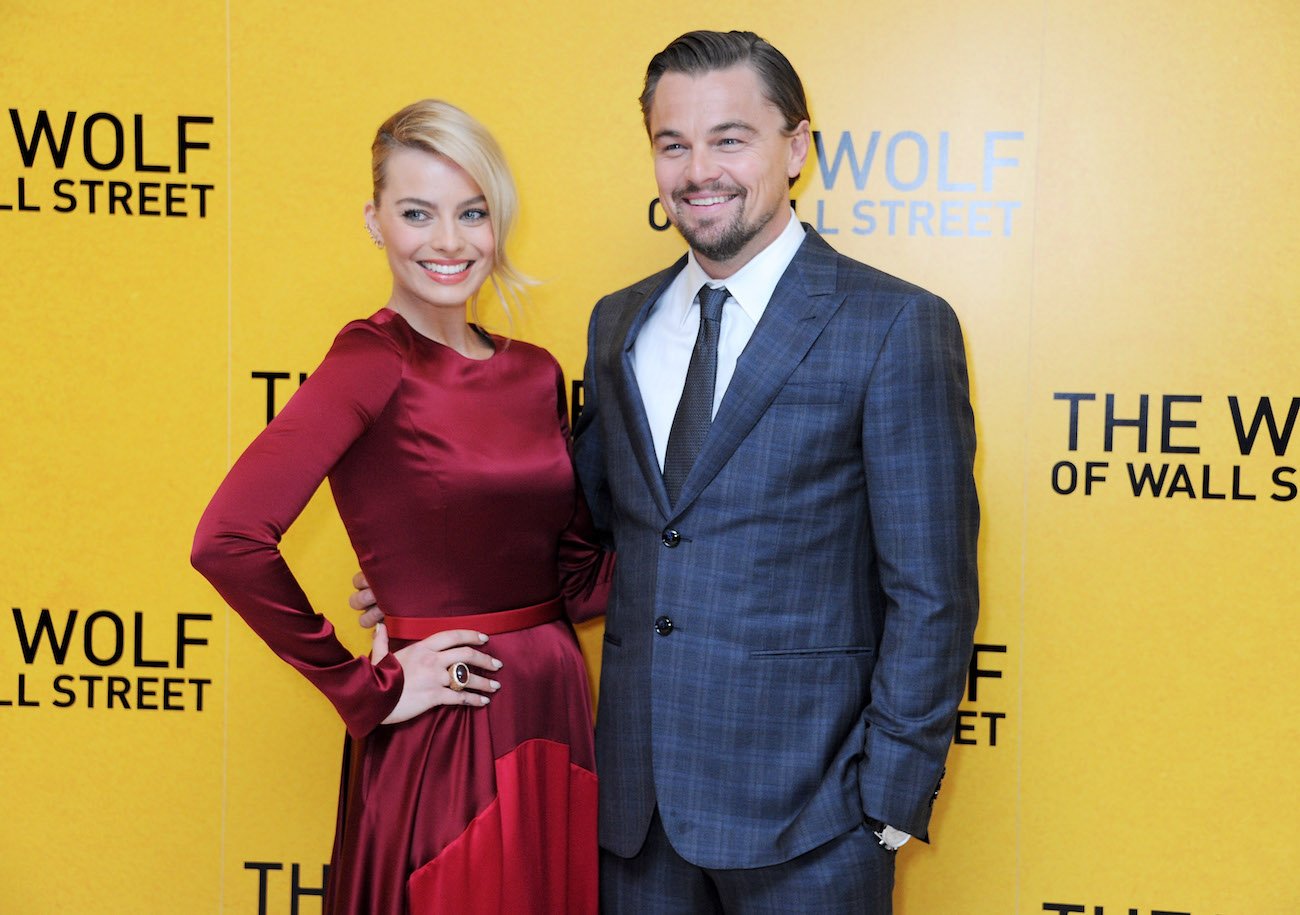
[711, 302]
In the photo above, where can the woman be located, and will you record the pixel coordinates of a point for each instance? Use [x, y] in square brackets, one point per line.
[468, 784]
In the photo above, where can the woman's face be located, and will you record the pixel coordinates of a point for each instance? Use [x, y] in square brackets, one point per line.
[433, 221]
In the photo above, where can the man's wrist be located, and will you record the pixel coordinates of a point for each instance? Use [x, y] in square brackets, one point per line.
[888, 837]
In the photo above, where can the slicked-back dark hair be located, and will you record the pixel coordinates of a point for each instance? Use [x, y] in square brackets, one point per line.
[703, 51]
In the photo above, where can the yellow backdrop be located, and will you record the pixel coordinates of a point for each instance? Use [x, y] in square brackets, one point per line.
[1103, 190]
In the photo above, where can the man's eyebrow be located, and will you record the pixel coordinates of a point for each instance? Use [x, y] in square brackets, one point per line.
[729, 126]
[724, 127]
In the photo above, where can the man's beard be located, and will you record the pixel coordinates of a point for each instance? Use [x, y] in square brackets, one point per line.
[730, 239]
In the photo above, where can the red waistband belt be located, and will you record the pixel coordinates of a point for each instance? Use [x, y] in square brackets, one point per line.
[412, 628]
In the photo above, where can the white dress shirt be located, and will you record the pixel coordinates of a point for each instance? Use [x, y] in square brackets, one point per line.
[661, 353]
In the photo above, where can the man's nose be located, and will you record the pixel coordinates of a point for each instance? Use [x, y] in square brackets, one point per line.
[702, 166]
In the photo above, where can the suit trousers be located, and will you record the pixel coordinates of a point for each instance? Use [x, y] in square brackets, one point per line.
[850, 875]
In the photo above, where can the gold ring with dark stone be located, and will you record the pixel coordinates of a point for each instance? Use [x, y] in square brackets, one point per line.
[459, 673]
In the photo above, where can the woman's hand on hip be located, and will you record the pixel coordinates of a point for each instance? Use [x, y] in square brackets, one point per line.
[427, 671]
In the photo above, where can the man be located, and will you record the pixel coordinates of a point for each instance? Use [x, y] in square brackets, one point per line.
[789, 488]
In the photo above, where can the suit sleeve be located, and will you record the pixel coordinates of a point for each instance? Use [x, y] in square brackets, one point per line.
[589, 455]
[918, 453]
[586, 569]
[236, 546]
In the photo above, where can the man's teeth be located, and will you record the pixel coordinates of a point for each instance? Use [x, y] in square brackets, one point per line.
[707, 201]
[446, 269]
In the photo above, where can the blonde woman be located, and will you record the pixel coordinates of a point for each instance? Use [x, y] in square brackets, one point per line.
[468, 782]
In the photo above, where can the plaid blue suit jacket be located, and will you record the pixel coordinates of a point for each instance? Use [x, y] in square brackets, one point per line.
[819, 572]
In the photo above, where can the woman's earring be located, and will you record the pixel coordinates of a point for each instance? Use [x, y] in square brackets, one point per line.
[379, 242]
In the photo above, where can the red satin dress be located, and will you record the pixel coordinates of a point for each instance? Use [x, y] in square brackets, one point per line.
[454, 480]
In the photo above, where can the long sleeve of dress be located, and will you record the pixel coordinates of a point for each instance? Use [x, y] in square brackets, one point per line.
[236, 546]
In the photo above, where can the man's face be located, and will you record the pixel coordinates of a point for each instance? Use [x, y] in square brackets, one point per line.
[723, 163]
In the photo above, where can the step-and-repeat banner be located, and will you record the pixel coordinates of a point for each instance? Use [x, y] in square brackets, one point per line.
[1104, 191]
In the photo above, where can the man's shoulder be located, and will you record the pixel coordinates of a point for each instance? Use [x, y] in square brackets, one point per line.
[854, 276]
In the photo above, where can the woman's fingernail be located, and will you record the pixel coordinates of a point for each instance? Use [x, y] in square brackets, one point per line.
[496, 665]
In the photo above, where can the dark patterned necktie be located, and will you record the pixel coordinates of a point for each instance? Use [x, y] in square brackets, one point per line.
[695, 409]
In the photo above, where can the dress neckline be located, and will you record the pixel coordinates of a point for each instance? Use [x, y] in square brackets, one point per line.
[480, 332]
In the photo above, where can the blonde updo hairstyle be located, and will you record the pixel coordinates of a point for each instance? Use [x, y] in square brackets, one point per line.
[442, 129]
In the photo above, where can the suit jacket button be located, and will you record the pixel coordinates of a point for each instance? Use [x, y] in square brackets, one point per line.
[663, 625]
[671, 538]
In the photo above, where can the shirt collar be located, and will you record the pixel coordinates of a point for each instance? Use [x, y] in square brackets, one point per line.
[753, 284]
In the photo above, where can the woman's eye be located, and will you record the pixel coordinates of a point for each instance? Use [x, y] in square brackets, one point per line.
[414, 215]
[475, 215]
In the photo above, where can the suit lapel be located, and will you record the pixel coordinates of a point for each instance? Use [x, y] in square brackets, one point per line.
[636, 307]
[803, 302]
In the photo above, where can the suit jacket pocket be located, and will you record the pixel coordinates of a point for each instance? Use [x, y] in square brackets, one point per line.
[832, 651]
[802, 392]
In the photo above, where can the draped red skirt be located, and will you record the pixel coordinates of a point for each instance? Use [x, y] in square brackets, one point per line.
[477, 810]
